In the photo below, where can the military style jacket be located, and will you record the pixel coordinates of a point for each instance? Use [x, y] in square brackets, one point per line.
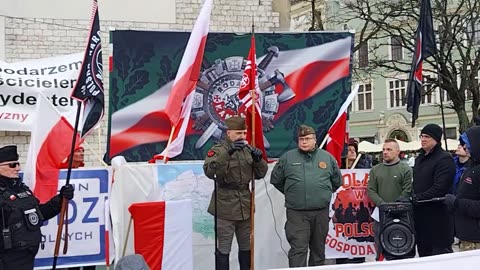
[232, 175]
[21, 215]
[306, 179]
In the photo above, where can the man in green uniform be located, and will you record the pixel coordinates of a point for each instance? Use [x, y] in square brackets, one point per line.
[232, 164]
[388, 181]
[307, 176]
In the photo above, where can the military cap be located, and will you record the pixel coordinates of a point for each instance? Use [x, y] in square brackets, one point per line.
[305, 130]
[236, 123]
[8, 153]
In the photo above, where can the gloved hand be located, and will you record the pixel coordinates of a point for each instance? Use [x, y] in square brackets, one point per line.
[450, 202]
[413, 199]
[256, 154]
[236, 145]
[67, 192]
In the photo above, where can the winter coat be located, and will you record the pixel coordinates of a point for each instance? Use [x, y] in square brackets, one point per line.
[467, 204]
[433, 176]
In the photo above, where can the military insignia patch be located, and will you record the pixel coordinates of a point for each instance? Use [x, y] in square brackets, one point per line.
[210, 153]
[322, 165]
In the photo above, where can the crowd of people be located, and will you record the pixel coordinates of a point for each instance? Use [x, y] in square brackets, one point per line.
[308, 176]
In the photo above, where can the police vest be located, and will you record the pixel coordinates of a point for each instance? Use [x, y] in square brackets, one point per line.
[25, 218]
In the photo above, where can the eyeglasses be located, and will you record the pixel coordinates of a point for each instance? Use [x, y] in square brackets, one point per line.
[305, 139]
[11, 164]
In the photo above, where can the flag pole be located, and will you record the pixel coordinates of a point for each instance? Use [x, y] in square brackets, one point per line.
[165, 157]
[252, 194]
[64, 202]
[439, 81]
[324, 140]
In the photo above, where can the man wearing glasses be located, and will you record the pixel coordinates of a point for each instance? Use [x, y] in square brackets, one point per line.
[307, 176]
[21, 214]
[433, 176]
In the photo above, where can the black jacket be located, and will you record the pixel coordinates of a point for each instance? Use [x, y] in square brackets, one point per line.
[22, 235]
[467, 204]
[433, 176]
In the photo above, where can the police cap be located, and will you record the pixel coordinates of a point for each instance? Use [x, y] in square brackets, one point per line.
[8, 153]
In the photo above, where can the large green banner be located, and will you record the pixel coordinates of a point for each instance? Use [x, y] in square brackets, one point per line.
[304, 79]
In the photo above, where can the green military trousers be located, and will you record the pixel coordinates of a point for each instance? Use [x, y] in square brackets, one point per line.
[226, 229]
[306, 229]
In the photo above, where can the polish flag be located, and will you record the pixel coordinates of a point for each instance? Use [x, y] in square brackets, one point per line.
[338, 131]
[145, 121]
[253, 114]
[49, 145]
[163, 233]
[179, 104]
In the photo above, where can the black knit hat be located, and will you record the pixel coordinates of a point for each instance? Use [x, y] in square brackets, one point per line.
[434, 130]
[8, 153]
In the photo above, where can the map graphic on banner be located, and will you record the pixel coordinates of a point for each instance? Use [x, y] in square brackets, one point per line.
[304, 78]
[22, 82]
[187, 181]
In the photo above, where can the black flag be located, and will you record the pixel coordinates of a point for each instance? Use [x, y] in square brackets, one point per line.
[424, 47]
[89, 87]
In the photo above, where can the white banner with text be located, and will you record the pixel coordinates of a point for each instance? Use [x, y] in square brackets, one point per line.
[22, 82]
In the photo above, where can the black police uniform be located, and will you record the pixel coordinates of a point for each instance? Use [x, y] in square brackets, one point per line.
[21, 216]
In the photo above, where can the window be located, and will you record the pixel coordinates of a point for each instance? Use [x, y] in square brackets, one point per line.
[427, 90]
[473, 31]
[363, 56]
[451, 133]
[397, 90]
[396, 48]
[364, 97]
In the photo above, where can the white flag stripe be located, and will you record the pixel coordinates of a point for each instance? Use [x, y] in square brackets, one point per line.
[50, 117]
[347, 102]
[200, 29]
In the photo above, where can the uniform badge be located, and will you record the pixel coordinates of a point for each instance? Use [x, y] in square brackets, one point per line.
[211, 153]
[32, 216]
[322, 165]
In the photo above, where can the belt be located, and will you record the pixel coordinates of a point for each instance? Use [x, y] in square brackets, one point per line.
[233, 187]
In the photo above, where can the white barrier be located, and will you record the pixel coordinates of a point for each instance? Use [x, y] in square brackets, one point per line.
[467, 260]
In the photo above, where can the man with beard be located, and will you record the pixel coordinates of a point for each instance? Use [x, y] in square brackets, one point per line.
[21, 214]
[433, 176]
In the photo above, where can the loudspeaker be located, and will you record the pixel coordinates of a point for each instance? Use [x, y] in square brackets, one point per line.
[397, 231]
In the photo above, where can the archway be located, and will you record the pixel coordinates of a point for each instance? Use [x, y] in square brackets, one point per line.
[398, 134]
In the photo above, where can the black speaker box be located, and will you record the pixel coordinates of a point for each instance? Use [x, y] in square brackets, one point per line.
[397, 231]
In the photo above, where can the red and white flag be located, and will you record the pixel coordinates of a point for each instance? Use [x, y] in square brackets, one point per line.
[163, 233]
[49, 145]
[179, 104]
[248, 84]
[337, 134]
[145, 121]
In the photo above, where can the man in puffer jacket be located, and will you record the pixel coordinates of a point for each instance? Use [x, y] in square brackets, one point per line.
[465, 204]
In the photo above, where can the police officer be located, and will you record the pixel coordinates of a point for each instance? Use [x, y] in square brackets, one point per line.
[21, 214]
[231, 164]
[308, 177]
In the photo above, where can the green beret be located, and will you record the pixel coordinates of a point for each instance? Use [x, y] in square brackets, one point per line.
[236, 123]
[305, 130]
[8, 153]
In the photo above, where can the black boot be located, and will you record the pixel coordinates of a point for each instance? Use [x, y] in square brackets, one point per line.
[244, 259]
[222, 261]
